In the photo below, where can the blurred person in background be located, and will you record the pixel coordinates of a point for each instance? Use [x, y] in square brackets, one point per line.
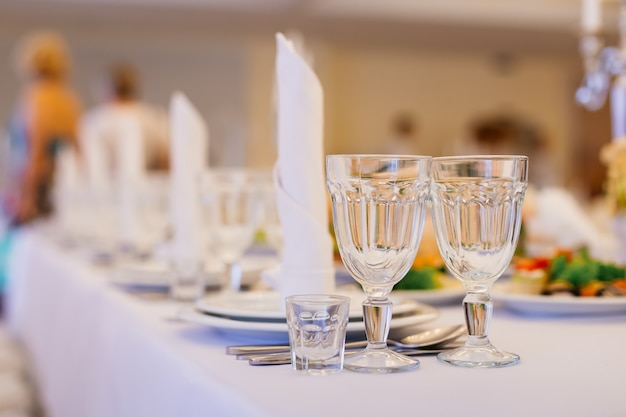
[121, 99]
[45, 121]
[503, 134]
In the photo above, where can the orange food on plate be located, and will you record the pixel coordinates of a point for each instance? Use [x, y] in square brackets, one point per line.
[530, 264]
[620, 283]
[592, 289]
[568, 273]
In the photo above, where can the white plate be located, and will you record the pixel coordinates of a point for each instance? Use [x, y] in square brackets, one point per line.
[156, 273]
[559, 305]
[278, 331]
[266, 305]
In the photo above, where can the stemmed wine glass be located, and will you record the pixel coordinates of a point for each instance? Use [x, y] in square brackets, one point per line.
[477, 204]
[233, 210]
[379, 203]
[270, 223]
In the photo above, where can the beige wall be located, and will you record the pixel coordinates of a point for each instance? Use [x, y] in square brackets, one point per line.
[364, 87]
[446, 91]
[230, 79]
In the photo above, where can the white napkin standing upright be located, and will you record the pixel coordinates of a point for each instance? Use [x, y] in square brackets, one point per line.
[189, 159]
[299, 177]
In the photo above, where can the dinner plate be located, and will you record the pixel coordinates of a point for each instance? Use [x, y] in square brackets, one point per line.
[156, 273]
[558, 305]
[266, 305]
[278, 331]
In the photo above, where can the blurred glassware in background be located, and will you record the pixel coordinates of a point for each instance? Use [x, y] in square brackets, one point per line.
[129, 183]
[154, 208]
[70, 198]
[270, 225]
[233, 206]
[187, 280]
[93, 218]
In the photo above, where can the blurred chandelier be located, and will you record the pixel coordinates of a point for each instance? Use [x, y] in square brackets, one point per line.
[603, 65]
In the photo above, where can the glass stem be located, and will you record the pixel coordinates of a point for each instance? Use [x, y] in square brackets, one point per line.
[377, 317]
[478, 309]
[233, 276]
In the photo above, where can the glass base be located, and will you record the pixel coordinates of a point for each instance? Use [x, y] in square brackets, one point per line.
[484, 356]
[379, 361]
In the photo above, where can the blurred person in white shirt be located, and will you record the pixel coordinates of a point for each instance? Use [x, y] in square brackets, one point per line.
[122, 101]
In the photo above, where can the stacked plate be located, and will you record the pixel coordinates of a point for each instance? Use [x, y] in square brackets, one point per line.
[258, 314]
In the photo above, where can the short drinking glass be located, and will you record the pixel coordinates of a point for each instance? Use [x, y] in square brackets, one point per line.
[379, 203]
[317, 332]
[477, 204]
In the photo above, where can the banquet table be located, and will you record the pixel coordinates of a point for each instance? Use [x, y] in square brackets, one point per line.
[98, 350]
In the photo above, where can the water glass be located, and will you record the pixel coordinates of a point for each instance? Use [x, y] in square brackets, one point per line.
[270, 223]
[477, 213]
[187, 280]
[233, 210]
[379, 203]
[317, 332]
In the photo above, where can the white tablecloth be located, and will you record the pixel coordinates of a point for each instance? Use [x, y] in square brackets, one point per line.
[98, 351]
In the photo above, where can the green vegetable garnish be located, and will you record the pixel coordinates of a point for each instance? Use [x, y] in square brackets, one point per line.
[579, 272]
[610, 272]
[582, 270]
[419, 279]
[557, 267]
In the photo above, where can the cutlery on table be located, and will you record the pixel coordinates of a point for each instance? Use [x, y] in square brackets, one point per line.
[426, 338]
[284, 358]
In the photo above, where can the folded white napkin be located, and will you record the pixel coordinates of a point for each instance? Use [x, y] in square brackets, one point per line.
[189, 156]
[307, 258]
